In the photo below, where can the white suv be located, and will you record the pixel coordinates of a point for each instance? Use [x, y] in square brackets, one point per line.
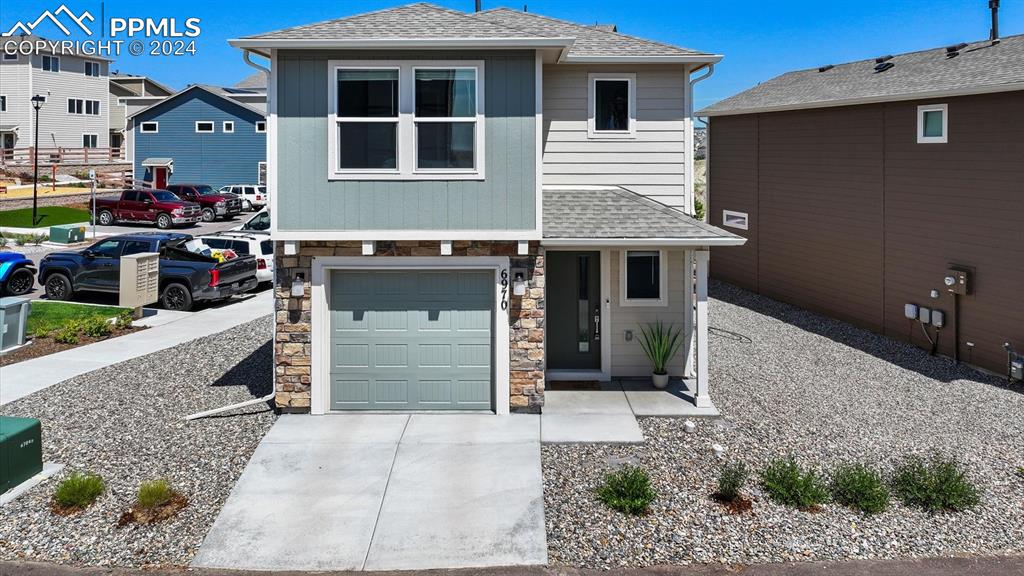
[256, 243]
[253, 197]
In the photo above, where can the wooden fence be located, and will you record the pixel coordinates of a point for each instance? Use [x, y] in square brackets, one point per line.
[48, 156]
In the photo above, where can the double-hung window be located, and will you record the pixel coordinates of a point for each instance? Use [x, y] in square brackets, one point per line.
[366, 120]
[406, 120]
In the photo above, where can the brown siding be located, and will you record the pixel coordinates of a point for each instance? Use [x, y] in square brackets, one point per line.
[733, 177]
[856, 218]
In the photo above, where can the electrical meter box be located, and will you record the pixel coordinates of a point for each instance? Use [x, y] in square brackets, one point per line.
[21, 450]
[140, 280]
[956, 281]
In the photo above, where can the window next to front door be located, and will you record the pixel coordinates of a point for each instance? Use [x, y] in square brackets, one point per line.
[644, 278]
[612, 102]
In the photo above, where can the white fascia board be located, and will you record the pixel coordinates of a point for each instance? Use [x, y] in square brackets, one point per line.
[651, 242]
[393, 235]
[399, 43]
[1012, 87]
[680, 59]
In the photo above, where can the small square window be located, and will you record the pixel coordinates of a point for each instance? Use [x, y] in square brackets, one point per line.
[149, 127]
[643, 278]
[203, 126]
[932, 124]
[89, 140]
[229, 127]
[261, 127]
[734, 219]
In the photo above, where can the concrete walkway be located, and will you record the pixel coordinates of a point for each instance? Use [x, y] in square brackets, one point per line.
[609, 415]
[24, 378]
[386, 492]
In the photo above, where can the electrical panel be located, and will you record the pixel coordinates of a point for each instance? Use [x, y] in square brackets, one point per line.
[956, 281]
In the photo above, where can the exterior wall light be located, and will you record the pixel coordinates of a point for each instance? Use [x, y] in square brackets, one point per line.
[519, 283]
[298, 286]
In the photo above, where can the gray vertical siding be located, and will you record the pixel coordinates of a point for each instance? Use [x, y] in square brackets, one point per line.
[307, 200]
[217, 159]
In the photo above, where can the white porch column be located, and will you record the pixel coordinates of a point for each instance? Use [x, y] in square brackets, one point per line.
[702, 395]
[688, 333]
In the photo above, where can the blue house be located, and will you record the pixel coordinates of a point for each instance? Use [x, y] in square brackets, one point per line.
[202, 134]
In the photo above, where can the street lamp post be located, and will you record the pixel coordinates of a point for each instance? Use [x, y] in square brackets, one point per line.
[37, 103]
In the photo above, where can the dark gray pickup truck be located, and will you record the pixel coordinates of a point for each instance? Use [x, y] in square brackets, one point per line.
[185, 277]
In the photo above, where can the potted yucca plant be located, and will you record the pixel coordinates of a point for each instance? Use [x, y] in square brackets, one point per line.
[660, 342]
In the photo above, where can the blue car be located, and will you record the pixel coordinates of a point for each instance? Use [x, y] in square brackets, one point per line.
[17, 274]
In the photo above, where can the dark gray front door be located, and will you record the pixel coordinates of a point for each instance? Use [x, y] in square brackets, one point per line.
[574, 310]
[411, 339]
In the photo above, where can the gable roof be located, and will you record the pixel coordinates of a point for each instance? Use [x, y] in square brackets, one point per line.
[223, 93]
[425, 25]
[117, 76]
[579, 215]
[589, 41]
[257, 80]
[977, 68]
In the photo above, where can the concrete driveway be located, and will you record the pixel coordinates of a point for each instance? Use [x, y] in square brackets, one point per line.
[386, 492]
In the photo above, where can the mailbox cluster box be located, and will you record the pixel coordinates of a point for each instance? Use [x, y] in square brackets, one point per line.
[140, 280]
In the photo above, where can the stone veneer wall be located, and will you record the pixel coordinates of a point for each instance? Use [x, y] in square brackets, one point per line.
[293, 322]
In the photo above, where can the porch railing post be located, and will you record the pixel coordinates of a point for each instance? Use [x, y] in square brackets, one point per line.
[688, 304]
[703, 394]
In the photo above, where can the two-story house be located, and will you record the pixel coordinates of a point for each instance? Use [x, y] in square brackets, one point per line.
[123, 89]
[75, 85]
[470, 205]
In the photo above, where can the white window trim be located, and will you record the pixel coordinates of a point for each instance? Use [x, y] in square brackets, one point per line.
[260, 167]
[662, 300]
[228, 126]
[921, 138]
[97, 136]
[155, 130]
[261, 130]
[406, 135]
[213, 126]
[87, 64]
[52, 59]
[727, 213]
[592, 131]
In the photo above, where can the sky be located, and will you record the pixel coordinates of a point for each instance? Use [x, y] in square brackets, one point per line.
[759, 39]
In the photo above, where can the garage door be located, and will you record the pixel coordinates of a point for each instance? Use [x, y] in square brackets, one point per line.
[411, 340]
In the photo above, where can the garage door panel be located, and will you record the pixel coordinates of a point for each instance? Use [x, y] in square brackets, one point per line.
[412, 340]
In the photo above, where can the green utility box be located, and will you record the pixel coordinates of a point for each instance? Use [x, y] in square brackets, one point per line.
[67, 233]
[21, 450]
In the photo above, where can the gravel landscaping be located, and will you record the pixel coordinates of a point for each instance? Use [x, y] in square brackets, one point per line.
[125, 423]
[787, 380]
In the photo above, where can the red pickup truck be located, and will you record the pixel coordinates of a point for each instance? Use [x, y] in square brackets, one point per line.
[213, 205]
[149, 206]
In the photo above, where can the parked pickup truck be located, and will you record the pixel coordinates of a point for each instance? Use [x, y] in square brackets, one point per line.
[185, 277]
[213, 205]
[159, 206]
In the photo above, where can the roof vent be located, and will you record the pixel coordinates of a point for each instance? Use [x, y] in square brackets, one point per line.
[826, 68]
[954, 51]
[883, 59]
[883, 66]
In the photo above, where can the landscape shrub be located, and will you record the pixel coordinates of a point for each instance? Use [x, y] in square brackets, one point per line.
[859, 487]
[124, 320]
[934, 484]
[78, 490]
[731, 480]
[67, 334]
[627, 490]
[95, 327]
[154, 493]
[698, 209]
[37, 239]
[3, 242]
[787, 483]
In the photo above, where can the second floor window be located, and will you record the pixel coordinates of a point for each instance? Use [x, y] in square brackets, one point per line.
[92, 68]
[204, 126]
[261, 127]
[51, 63]
[80, 106]
[411, 120]
[149, 127]
[612, 99]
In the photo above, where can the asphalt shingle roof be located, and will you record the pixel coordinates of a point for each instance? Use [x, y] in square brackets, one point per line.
[413, 21]
[980, 65]
[590, 40]
[617, 213]
[257, 80]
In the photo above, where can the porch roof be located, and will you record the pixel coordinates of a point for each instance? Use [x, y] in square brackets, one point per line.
[9, 127]
[615, 215]
[158, 162]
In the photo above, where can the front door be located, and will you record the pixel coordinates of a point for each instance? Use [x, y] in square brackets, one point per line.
[8, 146]
[159, 177]
[574, 310]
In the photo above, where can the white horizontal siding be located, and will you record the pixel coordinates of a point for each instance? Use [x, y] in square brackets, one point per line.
[14, 84]
[628, 358]
[653, 163]
[57, 128]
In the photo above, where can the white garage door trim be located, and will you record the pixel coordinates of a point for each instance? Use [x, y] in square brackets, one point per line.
[320, 398]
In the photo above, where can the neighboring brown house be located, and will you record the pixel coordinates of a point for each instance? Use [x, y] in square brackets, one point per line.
[858, 186]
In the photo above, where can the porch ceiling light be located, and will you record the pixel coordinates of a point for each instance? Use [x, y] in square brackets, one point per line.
[519, 284]
[298, 286]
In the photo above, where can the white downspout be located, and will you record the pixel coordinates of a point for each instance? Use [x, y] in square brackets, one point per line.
[273, 361]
